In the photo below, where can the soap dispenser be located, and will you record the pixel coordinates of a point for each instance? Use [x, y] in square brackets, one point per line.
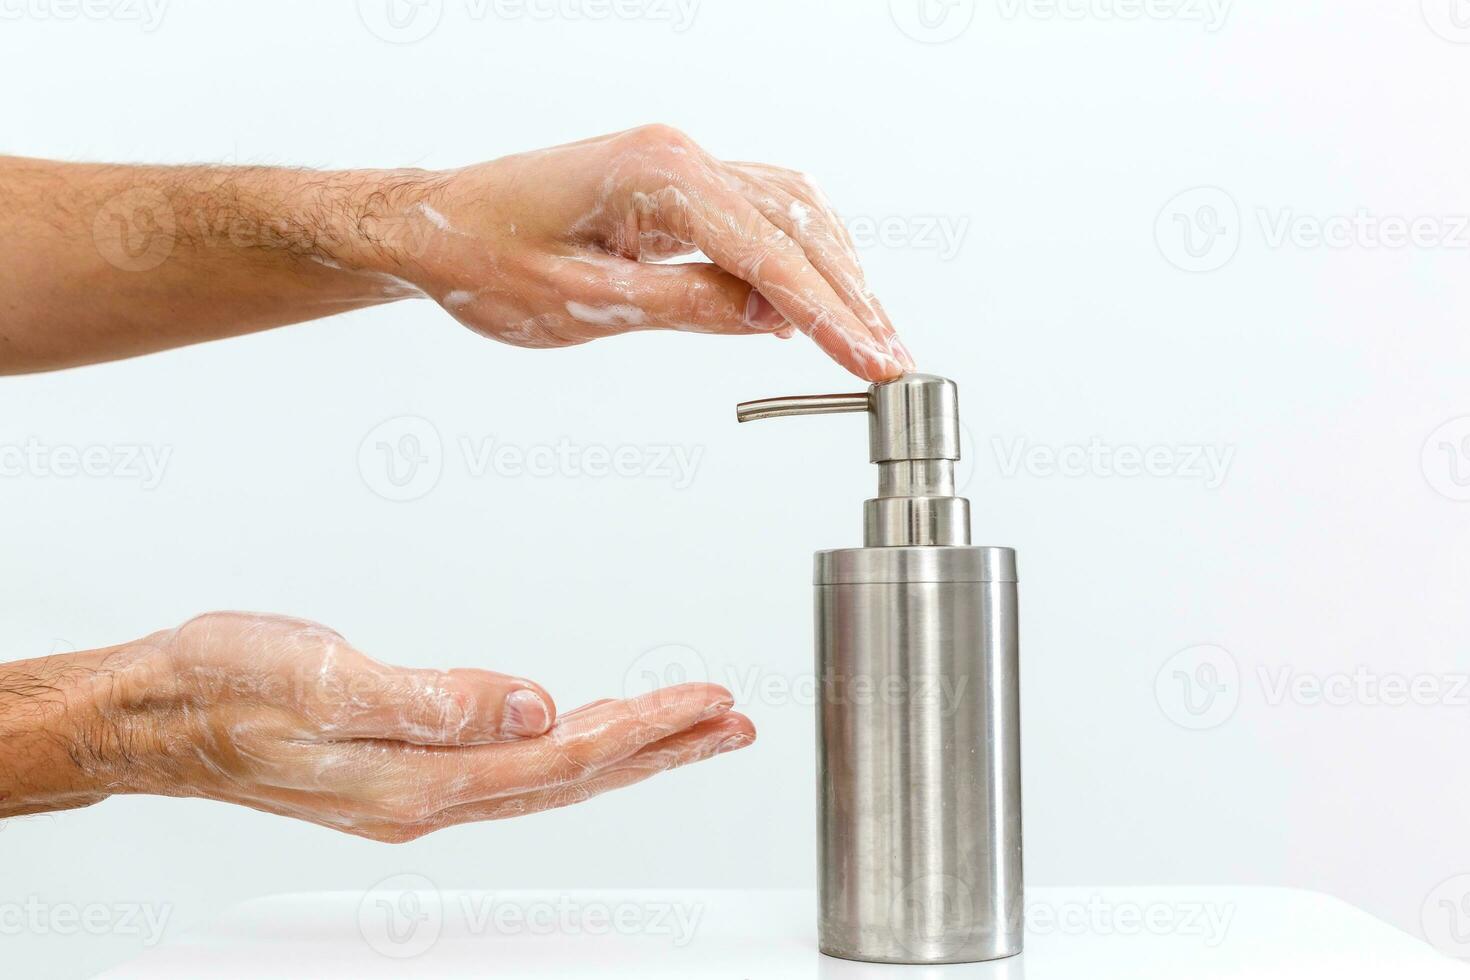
[918, 715]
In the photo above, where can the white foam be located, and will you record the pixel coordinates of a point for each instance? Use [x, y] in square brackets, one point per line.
[799, 214]
[614, 315]
[435, 218]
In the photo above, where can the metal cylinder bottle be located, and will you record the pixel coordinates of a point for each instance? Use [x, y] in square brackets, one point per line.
[918, 718]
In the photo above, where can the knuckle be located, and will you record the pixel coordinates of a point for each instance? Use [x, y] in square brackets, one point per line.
[255, 629]
[662, 135]
[212, 624]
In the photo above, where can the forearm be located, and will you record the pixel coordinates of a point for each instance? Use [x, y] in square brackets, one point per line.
[60, 745]
[100, 262]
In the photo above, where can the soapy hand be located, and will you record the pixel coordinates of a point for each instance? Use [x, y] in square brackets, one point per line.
[285, 716]
[543, 249]
[561, 246]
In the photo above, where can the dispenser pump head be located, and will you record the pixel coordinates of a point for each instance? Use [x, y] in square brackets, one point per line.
[914, 437]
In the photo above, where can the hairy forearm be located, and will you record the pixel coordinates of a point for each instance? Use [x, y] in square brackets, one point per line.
[55, 749]
[100, 262]
[76, 728]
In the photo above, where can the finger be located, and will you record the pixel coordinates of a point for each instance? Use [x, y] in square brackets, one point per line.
[356, 697]
[392, 791]
[798, 185]
[404, 783]
[827, 246]
[803, 189]
[727, 733]
[604, 735]
[801, 212]
[576, 711]
[696, 297]
[766, 256]
[732, 232]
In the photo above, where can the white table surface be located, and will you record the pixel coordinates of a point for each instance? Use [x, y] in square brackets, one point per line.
[401, 929]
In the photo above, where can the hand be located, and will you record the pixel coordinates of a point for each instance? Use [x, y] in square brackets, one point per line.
[556, 247]
[543, 249]
[285, 716]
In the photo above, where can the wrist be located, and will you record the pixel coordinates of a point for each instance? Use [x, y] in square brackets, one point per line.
[383, 222]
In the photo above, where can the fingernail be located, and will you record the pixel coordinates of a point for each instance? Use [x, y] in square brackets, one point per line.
[759, 313]
[734, 742]
[901, 352]
[525, 714]
[715, 710]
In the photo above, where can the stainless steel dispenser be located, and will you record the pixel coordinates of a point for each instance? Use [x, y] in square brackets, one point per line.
[918, 722]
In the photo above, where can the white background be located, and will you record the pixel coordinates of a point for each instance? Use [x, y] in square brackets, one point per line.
[1060, 146]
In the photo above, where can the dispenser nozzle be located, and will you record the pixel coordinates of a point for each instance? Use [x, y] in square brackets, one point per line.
[775, 408]
[914, 437]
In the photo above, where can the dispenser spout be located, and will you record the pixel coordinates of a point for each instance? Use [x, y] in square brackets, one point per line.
[914, 437]
[776, 408]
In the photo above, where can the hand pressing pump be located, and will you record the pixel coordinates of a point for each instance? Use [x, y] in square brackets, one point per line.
[918, 719]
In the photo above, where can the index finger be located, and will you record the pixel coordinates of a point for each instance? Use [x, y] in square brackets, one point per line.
[736, 236]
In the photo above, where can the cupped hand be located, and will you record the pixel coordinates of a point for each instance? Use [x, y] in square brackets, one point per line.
[562, 246]
[285, 716]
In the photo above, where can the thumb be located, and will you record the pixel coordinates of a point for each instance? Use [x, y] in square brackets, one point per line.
[434, 707]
